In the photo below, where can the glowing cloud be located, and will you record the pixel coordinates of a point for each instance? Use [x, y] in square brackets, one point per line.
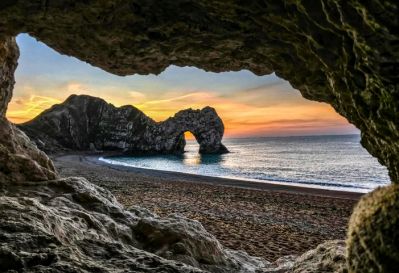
[21, 110]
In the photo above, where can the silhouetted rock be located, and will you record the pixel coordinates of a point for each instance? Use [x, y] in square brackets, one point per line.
[89, 123]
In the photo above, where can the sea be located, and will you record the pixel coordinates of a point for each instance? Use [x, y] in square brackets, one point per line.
[329, 162]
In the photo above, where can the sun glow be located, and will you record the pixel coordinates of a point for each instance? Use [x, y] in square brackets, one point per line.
[188, 136]
[21, 110]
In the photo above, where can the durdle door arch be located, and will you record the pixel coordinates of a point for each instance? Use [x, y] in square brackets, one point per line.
[205, 124]
[344, 53]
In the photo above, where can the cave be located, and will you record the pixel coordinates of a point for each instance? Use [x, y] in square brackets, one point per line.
[344, 53]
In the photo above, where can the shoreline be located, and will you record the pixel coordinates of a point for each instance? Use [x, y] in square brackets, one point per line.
[230, 182]
[265, 220]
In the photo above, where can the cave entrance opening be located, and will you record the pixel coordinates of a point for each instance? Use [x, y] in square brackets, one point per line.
[252, 107]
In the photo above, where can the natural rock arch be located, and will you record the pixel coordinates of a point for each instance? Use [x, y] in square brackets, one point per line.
[344, 53]
[84, 123]
[204, 124]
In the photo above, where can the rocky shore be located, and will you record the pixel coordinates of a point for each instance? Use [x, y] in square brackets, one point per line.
[267, 221]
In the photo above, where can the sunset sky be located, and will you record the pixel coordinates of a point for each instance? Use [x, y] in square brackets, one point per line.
[249, 105]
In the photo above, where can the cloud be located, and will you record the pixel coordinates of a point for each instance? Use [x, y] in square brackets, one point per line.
[74, 86]
[137, 97]
[24, 109]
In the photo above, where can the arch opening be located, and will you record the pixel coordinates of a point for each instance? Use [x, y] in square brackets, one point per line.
[191, 154]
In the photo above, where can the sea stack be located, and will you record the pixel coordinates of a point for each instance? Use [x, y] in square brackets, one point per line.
[83, 123]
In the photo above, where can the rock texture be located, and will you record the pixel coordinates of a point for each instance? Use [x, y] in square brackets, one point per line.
[373, 239]
[9, 54]
[70, 225]
[327, 257]
[344, 53]
[84, 122]
[20, 159]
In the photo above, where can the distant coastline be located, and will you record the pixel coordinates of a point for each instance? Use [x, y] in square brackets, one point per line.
[289, 136]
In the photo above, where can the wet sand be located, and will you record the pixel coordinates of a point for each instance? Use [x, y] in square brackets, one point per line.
[266, 220]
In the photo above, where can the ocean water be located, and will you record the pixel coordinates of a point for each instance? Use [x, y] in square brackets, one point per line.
[333, 162]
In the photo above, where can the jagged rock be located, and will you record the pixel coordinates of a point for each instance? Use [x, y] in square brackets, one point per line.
[20, 159]
[373, 235]
[326, 257]
[9, 54]
[71, 225]
[185, 240]
[89, 123]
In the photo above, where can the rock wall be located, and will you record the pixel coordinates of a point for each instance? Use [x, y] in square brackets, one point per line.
[9, 54]
[20, 159]
[344, 53]
[84, 122]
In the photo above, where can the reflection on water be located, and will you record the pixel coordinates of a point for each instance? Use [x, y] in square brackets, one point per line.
[192, 159]
[329, 161]
[191, 156]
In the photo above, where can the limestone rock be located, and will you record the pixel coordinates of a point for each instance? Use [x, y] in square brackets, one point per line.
[373, 235]
[178, 238]
[20, 159]
[71, 225]
[9, 54]
[326, 257]
[89, 123]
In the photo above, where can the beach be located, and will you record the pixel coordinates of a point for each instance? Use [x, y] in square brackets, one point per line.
[266, 220]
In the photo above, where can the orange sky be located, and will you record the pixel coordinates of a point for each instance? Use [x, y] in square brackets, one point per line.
[241, 119]
[249, 105]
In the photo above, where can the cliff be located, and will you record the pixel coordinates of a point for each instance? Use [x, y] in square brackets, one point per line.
[88, 123]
